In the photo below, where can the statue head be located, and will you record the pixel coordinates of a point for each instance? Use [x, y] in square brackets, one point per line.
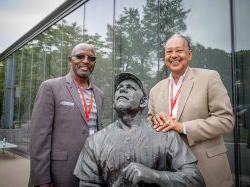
[130, 95]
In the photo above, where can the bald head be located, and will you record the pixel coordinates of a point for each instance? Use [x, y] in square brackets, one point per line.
[182, 37]
[83, 46]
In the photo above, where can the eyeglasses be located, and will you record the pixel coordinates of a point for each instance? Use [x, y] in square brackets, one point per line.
[85, 57]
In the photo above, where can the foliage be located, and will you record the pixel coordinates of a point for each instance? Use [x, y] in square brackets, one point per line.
[134, 43]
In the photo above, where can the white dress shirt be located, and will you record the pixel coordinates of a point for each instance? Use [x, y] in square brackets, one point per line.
[176, 87]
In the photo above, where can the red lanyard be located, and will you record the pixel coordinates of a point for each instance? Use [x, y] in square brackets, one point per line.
[87, 108]
[173, 100]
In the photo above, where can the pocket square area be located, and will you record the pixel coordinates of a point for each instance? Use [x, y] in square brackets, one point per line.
[67, 103]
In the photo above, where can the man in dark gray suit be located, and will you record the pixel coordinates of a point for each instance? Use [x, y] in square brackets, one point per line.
[129, 153]
[66, 110]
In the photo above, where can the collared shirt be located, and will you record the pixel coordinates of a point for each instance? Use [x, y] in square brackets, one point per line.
[176, 87]
[92, 123]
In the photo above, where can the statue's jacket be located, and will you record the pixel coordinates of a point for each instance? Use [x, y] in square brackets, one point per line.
[107, 152]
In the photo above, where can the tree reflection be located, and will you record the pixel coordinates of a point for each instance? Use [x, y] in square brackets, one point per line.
[138, 47]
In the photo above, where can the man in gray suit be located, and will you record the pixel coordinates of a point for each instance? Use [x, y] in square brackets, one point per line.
[194, 102]
[66, 110]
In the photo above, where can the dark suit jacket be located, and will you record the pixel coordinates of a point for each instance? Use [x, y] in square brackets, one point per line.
[204, 106]
[58, 131]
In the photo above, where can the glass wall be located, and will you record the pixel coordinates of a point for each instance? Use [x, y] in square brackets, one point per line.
[242, 51]
[211, 45]
[98, 18]
[142, 28]
[129, 36]
[2, 87]
[136, 40]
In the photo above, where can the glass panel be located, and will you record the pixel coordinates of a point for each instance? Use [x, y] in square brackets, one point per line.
[23, 87]
[25, 111]
[211, 45]
[2, 84]
[243, 82]
[72, 30]
[53, 44]
[17, 101]
[97, 29]
[36, 74]
[137, 40]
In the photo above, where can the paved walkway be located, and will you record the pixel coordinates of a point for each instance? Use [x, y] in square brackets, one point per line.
[14, 170]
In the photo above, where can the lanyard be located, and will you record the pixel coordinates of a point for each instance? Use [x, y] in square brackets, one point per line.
[173, 100]
[87, 108]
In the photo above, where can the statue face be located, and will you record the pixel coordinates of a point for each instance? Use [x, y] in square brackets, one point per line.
[128, 96]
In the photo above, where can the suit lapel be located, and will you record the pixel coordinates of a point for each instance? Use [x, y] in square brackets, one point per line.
[185, 92]
[73, 90]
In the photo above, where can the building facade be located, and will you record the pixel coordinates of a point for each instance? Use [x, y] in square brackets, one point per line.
[129, 35]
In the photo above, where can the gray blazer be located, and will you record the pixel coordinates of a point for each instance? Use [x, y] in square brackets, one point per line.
[58, 131]
[205, 108]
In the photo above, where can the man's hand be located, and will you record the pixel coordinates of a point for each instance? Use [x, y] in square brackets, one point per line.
[163, 122]
[160, 119]
[136, 173]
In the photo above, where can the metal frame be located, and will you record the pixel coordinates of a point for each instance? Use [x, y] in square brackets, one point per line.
[63, 10]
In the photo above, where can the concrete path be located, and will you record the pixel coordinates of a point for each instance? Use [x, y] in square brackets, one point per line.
[14, 170]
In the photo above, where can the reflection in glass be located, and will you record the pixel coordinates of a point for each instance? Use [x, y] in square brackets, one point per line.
[2, 86]
[136, 39]
[96, 33]
[18, 82]
[72, 29]
[242, 44]
[135, 43]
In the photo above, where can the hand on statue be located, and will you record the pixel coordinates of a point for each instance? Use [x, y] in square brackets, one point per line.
[136, 173]
[160, 119]
[163, 122]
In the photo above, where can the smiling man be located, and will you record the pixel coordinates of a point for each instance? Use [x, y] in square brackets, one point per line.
[66, 110]
[195, 103]
[129, 152]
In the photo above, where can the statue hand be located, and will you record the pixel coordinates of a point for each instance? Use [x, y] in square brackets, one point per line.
[136, 173]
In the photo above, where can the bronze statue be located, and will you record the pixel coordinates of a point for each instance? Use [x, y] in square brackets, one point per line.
[129, 152]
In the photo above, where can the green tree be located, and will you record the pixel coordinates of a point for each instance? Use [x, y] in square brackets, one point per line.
[163, 18]
[215, 59]
[47, 54]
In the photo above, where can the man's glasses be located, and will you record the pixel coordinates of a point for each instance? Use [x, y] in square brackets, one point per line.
[85, 57]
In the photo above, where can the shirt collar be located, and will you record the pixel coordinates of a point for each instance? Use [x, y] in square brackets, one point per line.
[181, 77]
[90, 87]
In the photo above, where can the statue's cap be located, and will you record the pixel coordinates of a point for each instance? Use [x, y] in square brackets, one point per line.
[129, 76]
